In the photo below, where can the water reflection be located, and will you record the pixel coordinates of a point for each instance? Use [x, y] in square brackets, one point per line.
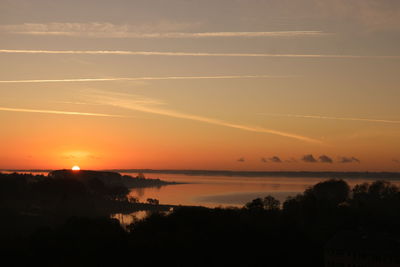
[127, 219]
[214, 191]
[239, 199]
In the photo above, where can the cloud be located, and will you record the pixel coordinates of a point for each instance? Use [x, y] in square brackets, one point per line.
[245, 34]
[79, 155]
[94, 29]
[396, 161]
[264, 160]
[349, 160]
[59, 112]
[309, 158]
[148, 78]
[275, 159]
[109, 30]
[75, 103]
[241, 160]
[188, 54]
[373, 15]
[68, 156]
[325, 159]
[138, 103]
[334, 118]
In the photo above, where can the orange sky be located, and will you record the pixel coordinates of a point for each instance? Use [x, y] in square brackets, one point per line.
[211, 85]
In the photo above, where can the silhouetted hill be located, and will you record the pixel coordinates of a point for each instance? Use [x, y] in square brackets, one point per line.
[109, 178]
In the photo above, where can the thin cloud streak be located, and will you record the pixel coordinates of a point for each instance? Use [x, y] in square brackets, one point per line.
[109, 30]
[251, 34]
[177, 35]
[125, 103]
[149, 78]
[59, 112]
[182, 35]
[333, 118]
[189, 54]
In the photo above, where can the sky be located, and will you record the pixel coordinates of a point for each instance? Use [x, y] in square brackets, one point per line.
[272, 85]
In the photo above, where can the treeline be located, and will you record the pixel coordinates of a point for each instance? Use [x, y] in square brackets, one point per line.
[315, 174]
[109, 178]
[30, 201]
[262, 233]
[26, 193]
[266, 232]
[141, 182]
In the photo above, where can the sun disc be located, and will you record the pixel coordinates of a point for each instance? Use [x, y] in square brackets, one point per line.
[76, 168]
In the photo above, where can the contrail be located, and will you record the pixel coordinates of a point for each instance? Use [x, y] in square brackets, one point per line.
[244, 34]
[189, 54]
[110, 30]
[333, 118]
[58, 112]
[176, 35]
[123, 102]
[148, 78]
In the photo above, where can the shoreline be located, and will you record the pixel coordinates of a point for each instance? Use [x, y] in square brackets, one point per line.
[323, 174]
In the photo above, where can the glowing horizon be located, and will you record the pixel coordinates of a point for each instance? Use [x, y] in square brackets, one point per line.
[261, 85]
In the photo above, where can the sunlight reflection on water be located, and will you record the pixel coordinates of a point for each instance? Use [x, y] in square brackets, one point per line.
[214, 191]
[127, 219]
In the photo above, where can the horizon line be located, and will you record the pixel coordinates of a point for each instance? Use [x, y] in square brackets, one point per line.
[199, 170]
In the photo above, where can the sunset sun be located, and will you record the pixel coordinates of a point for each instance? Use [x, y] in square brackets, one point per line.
[76, 168]
[269, 128]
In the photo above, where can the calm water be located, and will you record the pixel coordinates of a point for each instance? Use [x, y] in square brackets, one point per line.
[214, 191]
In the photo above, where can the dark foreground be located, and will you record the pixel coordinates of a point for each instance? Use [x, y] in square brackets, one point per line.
[329, 224]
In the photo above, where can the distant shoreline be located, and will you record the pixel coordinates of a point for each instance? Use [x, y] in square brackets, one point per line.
[327, 174]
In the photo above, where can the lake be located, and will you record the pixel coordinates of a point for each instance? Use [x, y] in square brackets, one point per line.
[219, 190]
[215, 191]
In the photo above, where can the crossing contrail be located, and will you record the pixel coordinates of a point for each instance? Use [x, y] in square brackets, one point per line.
[127, 102]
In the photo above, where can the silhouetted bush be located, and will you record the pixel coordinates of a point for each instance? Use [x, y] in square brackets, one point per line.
[262, 233]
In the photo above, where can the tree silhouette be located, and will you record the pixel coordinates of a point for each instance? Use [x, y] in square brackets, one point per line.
[270, 203]
[255, 204]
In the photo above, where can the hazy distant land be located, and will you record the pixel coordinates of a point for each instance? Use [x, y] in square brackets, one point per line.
[322, 174]
[327, 174]
[111, 178]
